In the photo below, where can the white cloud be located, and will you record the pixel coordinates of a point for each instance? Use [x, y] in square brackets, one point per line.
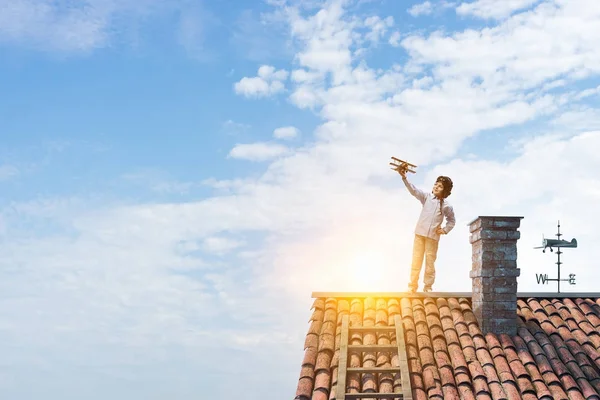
[493, 9]
[268, 72]
[260, 36]
[325, 39]
[172, 187]
[268, 82]
[258, 151]
[7, 172]
[301, 75]
[158, 181]
[224, 184]
[587, 93]
[378, 27]
[234, 128]
[511, 56]
[220, 245]
[195, 23]
[424, 8]
[286, 132]
[395, 39]
[66, 27]
[578, 119]
[77, 28]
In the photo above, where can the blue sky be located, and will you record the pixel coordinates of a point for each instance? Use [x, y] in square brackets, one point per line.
[177, 177]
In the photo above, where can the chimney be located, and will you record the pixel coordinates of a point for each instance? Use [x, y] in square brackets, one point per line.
[494, 273]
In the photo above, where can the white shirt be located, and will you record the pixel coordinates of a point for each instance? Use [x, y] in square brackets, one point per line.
[431, 215]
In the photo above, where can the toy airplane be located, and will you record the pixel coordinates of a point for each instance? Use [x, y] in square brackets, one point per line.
[401, 165]
[550, 243]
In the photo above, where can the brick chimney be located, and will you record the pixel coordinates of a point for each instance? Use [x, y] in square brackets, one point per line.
[494, 273]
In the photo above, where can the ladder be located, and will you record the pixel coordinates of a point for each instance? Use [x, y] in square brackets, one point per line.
[399, 347]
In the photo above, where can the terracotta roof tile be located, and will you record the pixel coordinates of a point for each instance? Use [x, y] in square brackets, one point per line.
[496, 391]
[581, 337]
[326, 343]
[307, 371]
[463, 379]
[557, 321]
[416, 380]
[516, 366]
[547, 304]
[568, 383]
[310, 356]
[450, 393]
[393, 307]
[476, 370]
[439, 344]
[491, 373]
[304, 390]
[503, 370]
[575, 395]
[447, 376]
[323, 380]
[534, 374]
[480, 386]
[587, 389]
[312, 340]
[465, 392]
[323, 360]
[522, 351]
[555, 354]
[486, 356]
[430, 378]
[592, 313]
[541, 390]
[525, 385]
[511, 390]
[529, 396]
[458, 358]
[557, 392]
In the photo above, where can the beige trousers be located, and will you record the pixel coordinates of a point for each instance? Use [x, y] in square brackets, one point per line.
[427, 248]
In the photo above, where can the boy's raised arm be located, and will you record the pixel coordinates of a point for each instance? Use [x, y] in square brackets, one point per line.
[418, 193]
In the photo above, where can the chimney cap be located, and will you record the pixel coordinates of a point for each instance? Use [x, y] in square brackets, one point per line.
[494, 217]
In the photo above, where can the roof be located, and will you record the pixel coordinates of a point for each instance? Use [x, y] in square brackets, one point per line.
[555, 354]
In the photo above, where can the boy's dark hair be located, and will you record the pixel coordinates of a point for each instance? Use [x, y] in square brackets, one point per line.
[447, 183]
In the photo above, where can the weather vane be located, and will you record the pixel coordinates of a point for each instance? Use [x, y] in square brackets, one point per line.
[558, 243]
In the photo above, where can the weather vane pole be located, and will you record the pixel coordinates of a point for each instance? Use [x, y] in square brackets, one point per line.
[558, 243]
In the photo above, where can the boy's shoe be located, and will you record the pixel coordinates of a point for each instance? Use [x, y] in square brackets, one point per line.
[427, 289]
[411, 290]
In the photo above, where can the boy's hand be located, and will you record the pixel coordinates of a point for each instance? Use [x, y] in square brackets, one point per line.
[402, 170]
[440, 231]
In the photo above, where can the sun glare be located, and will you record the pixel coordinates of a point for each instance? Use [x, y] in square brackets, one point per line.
[366, 272]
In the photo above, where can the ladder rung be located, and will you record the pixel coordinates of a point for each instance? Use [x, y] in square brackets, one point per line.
[374, 395]
[372, 347]
[372, 329]
[373, 370]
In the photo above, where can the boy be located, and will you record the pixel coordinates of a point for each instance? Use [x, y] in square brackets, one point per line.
[429, 228]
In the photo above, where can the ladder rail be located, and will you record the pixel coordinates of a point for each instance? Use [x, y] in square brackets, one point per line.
[343, 364]
[399, 347]
[402, 358]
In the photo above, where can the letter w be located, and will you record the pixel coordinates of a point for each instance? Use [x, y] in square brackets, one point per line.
[541, 278]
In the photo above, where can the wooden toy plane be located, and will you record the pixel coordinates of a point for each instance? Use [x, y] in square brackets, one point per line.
[401, 165]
